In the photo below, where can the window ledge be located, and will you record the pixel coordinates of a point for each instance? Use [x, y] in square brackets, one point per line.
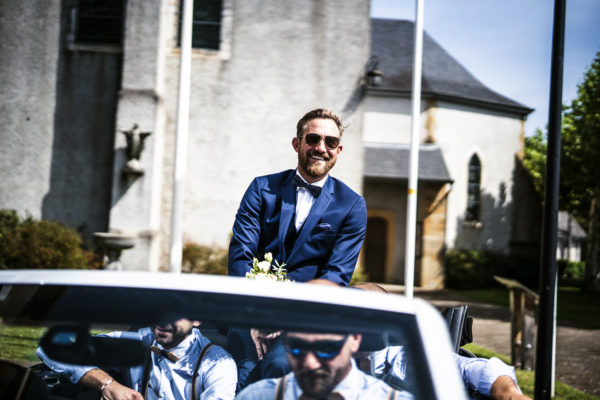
[473, 224]
[96, 48]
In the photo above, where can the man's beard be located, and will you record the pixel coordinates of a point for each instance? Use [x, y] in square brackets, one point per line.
[172, 338]
[316, 170]
[317, 383]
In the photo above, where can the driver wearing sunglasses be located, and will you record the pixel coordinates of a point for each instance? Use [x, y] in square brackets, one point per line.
[322, 368]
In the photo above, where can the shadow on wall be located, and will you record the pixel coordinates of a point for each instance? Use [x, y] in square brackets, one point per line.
[87, 87]
[490, 230]
[526, 230]
[513, 226]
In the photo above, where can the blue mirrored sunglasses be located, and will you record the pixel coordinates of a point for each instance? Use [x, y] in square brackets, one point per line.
[322, 349]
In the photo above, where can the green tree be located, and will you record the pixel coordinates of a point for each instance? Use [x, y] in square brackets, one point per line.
[580, 161]
[579, 191]
[535, 159]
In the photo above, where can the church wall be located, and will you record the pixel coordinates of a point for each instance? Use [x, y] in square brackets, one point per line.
[280, 60]
[58, 119]
[462, 131]
[28, 69]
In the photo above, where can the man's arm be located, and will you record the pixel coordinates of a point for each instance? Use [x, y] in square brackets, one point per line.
[218, 375]
[110, 389]
[491, 378]
[246, 232]
[345, 251]
[504, 388]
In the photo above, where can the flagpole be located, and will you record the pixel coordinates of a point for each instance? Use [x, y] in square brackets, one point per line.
[413, 171]
[181, 136]
[546, 331]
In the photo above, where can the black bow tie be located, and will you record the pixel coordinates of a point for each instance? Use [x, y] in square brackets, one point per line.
[313, 189]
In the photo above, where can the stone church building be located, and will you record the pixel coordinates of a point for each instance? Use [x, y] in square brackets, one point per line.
[76, 74]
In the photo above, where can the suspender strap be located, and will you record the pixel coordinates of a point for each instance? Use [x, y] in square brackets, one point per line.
[280, 389]
[148, 369]
[195, 375]
[146, 375]
[392, 394]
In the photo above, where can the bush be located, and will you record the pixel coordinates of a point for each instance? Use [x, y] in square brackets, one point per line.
[468, 269]
[359, 275]
[32, 244]
[571, 269]
[202, 259]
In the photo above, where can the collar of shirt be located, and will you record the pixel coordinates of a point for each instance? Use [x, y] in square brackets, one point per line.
[182, 348]
[171, 380]
[351, 387]
[305, 201]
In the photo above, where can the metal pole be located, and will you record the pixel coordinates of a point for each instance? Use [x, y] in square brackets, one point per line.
[181, 138]
[413, 171]
[544, 361]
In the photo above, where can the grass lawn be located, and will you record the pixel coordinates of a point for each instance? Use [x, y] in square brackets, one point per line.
[576, 308]
[526, 379]
[19, 343]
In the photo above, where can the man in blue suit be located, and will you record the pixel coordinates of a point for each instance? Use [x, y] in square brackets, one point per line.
[312, 222]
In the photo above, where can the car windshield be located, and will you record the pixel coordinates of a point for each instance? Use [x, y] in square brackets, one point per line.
[75, 324]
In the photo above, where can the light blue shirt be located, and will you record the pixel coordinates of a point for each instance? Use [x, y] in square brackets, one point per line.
[356, 385]
[217, 375]
[477, 373]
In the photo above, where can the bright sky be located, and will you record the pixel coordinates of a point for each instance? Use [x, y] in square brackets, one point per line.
[507, 44]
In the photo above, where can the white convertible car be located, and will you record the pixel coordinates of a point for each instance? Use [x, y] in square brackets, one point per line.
[62, 310]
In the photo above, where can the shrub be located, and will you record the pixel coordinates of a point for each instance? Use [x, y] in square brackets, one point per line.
[9, 220]
[468, 269]
[571, 269]
[359, 275]
[32, 244]
[202, 259]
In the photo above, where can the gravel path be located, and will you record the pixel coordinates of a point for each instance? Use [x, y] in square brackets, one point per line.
[577, 350]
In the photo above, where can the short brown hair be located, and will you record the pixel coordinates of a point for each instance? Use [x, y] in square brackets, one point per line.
[318, 113]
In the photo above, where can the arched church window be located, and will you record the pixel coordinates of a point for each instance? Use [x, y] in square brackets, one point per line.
[474, 190]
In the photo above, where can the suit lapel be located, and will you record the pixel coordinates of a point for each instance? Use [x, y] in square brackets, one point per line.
[315, 214]
[288, 205]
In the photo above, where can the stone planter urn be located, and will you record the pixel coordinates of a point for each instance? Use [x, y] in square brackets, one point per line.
[113, 244]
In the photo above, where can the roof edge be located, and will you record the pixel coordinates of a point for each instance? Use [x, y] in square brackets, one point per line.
[523, 111]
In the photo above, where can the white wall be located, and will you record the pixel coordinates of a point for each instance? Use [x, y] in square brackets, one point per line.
[28, 68]
[496, 138]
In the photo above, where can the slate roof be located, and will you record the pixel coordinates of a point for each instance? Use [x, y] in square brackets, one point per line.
[391, 161]
[443, 76]
[563, 225]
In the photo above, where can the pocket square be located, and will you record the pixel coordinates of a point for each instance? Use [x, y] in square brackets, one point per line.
[323, 227]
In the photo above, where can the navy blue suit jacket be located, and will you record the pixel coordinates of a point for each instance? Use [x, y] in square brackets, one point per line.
[328, 243]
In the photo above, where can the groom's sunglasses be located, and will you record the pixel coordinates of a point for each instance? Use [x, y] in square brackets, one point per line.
[322, 349]
[313, 139]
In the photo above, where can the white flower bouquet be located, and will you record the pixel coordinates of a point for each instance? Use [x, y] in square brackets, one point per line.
[264, 270]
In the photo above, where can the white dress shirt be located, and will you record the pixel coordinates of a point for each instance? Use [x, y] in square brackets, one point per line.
[305, 201]
[355, 386]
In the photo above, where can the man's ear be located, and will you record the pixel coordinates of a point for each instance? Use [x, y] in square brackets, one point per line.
[196, 324]
[296, 143]
[354, 342]
[340, 148]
